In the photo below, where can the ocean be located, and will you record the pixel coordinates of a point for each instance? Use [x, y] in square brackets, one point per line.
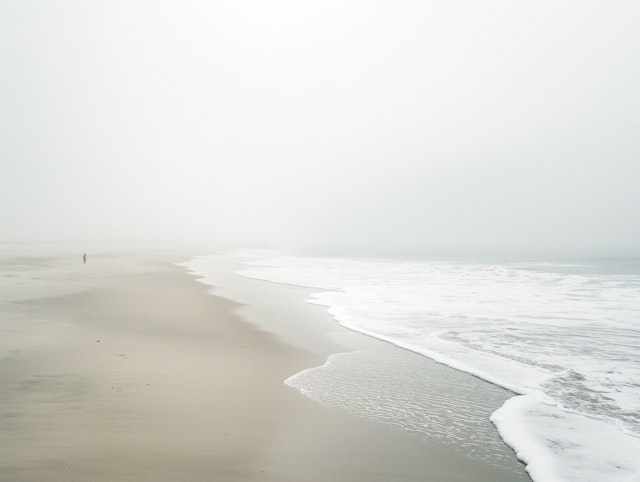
[562, 336]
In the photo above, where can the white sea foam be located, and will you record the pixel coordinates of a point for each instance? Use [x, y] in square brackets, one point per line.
[563, 336]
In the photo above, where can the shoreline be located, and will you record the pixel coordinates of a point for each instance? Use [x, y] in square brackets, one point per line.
[420, 393]
[145, 375]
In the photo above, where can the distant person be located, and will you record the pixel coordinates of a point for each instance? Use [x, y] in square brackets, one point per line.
[84, 258]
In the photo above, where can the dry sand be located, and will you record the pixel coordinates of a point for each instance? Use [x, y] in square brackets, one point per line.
[147, 376]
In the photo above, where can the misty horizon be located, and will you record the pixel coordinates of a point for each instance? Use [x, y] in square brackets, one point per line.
[336, 127]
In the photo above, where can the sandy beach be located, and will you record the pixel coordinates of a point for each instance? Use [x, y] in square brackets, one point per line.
[142, 374]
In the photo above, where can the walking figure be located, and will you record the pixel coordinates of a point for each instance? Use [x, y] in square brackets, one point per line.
[84, 258]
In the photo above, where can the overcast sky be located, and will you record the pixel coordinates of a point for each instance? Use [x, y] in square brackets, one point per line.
[372, 126]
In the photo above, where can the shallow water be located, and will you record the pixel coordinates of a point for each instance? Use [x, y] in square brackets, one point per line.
[562, 334]
[368, 377]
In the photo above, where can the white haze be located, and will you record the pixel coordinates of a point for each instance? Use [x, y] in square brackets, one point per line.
[366, 126]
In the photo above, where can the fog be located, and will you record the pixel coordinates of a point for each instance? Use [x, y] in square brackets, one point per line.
[335, 126]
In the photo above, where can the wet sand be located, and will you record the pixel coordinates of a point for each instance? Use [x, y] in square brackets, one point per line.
[144, 375]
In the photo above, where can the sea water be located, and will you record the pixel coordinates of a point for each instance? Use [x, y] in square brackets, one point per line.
[564, 337]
